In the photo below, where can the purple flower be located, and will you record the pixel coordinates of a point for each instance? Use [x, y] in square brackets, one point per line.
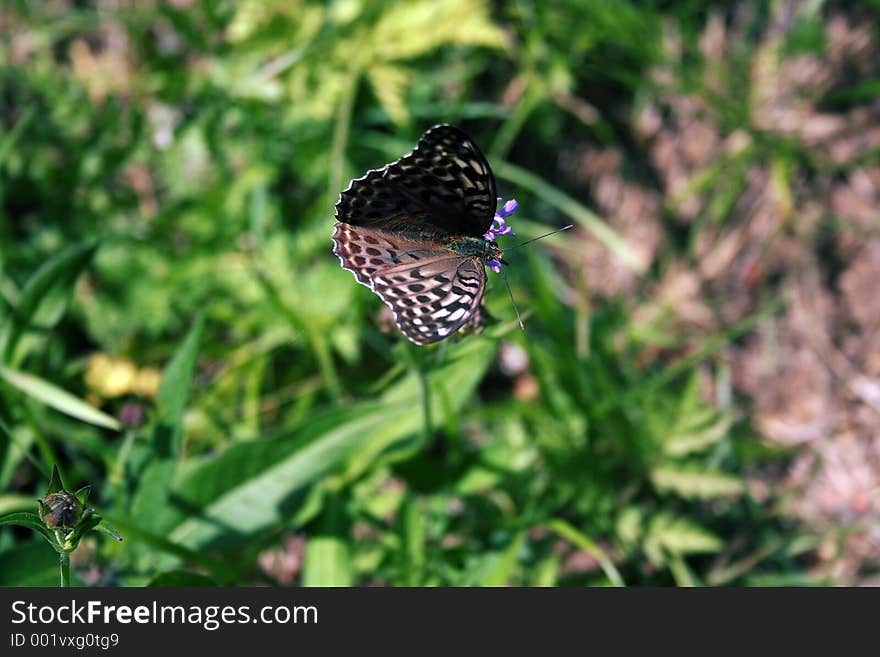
[499, 225]
[131, 415]
[508, 208]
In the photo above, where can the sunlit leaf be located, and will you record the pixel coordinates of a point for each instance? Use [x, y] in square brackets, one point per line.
[695, 482]
[58, 398]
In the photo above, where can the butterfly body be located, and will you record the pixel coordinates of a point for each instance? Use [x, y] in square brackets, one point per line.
[473, 246]
[413, 232]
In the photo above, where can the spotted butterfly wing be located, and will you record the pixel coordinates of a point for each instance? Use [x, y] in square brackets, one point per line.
[400, 230]
[444, 187]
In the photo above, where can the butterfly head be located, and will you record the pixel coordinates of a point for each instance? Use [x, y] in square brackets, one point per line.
[492, 255]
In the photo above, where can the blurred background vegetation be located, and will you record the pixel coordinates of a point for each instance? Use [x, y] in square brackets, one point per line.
[696, 397]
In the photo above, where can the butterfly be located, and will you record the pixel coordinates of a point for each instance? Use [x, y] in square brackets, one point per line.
[418, 232]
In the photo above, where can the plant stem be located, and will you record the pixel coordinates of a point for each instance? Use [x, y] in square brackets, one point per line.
[530, 99]
[117, 471]
[321, 349]
[64, 563]
[340, 132]
[425, 393]
[414, 360]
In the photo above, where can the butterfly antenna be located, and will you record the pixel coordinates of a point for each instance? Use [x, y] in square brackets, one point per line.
[535, 239]
[510, 292]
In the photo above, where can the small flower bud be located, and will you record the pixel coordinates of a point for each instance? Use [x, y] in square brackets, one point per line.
[131, 415]
[61, 510]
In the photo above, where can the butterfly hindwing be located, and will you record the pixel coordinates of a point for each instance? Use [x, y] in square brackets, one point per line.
[444, 187]
[432, 291]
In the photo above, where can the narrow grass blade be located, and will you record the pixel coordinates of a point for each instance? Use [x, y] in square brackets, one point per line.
[59, 399]
[571, 208]
[574, 536]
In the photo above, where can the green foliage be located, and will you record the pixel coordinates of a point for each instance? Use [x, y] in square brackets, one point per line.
[194, 172]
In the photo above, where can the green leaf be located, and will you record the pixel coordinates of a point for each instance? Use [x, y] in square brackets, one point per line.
[177, 378]
[58, 398]
[82, 494]
[390, 84]
[56, 484]
[505, 566]
[680, 536]
[106, 528]
[15, 502]
[150, 505]
[31, 521]
[684, 444]
[413, 540]
[328, 559]
[692, 437]
[38, 304]
[682, 573]
[692, 482]
[327, 562]
[251, 485]
[413, 28]
[546, 573]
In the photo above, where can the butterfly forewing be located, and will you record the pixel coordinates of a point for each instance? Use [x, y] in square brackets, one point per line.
[431, 290]
[444, 187]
